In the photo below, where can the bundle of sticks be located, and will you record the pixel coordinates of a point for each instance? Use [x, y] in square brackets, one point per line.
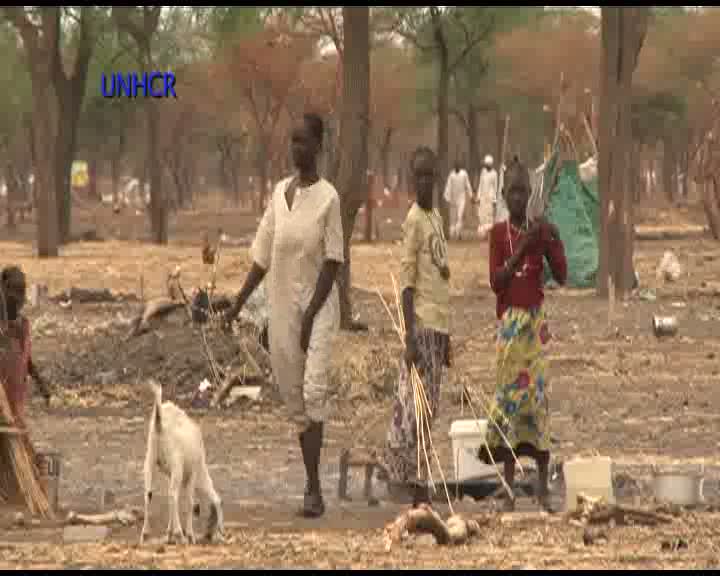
[423, 412]
[20, 475]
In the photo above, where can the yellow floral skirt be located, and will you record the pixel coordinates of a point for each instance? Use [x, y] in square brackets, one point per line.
[521, 407]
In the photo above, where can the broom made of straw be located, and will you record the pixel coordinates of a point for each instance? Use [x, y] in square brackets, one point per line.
[19, 452]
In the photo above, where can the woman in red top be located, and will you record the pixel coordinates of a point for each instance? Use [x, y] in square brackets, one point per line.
[519, 416]
[15, 351]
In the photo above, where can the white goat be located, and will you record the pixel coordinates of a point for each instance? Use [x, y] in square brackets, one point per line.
[175, 445]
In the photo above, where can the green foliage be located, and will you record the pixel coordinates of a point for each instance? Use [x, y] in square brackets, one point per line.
[227, 23]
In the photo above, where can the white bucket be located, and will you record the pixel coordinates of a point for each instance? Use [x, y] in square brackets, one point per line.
[589, 476]
[467, 438]
[681, 489]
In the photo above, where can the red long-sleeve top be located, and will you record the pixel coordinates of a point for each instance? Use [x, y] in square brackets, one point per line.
[526, 290]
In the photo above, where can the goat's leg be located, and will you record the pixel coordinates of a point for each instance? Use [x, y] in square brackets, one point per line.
[216, 524]
[175, 533]
[148, 473]
[189, 491]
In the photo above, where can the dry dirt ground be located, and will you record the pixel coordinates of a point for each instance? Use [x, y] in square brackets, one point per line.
[617, 391]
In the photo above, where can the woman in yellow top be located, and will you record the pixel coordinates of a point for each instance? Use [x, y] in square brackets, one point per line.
[300, 243]
[426, 311]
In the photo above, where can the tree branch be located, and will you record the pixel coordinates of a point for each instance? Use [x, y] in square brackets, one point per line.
[408, 31]
[17, 16]
[459, 115]
[472, 40]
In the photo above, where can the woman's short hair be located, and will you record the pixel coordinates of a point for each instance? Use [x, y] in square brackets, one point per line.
[517, 175]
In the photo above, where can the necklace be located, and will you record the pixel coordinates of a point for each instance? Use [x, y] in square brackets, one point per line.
[525, 267]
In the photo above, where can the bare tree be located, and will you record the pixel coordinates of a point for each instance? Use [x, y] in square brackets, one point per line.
[623, 34]
[352, 178]
[451, 35]
[141, 24]
[40, 42]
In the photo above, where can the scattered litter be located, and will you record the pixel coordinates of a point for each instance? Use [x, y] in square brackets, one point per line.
[252, 393]
[669, 268]
[665, 326]
[674, 545]
[647, 295]
[598, 511]
[114, 518]
[592, 537]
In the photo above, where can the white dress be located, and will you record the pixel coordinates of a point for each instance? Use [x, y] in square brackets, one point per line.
[293, 244]
[487, 198]
[457, 190]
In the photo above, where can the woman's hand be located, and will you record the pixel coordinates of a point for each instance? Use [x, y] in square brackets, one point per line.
[230, 315]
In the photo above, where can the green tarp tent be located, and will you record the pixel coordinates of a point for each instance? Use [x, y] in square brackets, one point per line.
[574, 207]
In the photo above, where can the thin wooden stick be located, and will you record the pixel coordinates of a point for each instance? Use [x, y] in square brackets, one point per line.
[502, 435]
[492, 460]
[500, 432]
[418, 391]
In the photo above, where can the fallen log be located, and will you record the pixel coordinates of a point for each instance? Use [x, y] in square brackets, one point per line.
[595, 511]
[424, 520]
[154, 309]
[120, 517]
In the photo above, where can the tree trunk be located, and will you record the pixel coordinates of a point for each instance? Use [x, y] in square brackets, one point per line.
[115, 177]
[385, 156]
[12, 193]
[499, 139]
[442, 132]
[354, 129]
[623, 31]
[158, 204]
[636, 171]
[71, 94]
[93, 175]
[44, 124]
[473, 144]
[369, 208]
[64, 153]
[669, 168]
[261, 167]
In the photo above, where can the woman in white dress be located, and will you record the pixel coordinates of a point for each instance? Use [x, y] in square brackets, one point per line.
[299, 244]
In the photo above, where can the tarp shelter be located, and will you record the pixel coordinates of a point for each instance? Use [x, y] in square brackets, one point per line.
[574, 207]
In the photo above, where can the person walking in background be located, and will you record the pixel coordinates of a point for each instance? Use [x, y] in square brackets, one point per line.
[457, 191]
[487, 197]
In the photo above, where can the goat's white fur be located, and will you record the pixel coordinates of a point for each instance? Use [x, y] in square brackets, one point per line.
[175, 447]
